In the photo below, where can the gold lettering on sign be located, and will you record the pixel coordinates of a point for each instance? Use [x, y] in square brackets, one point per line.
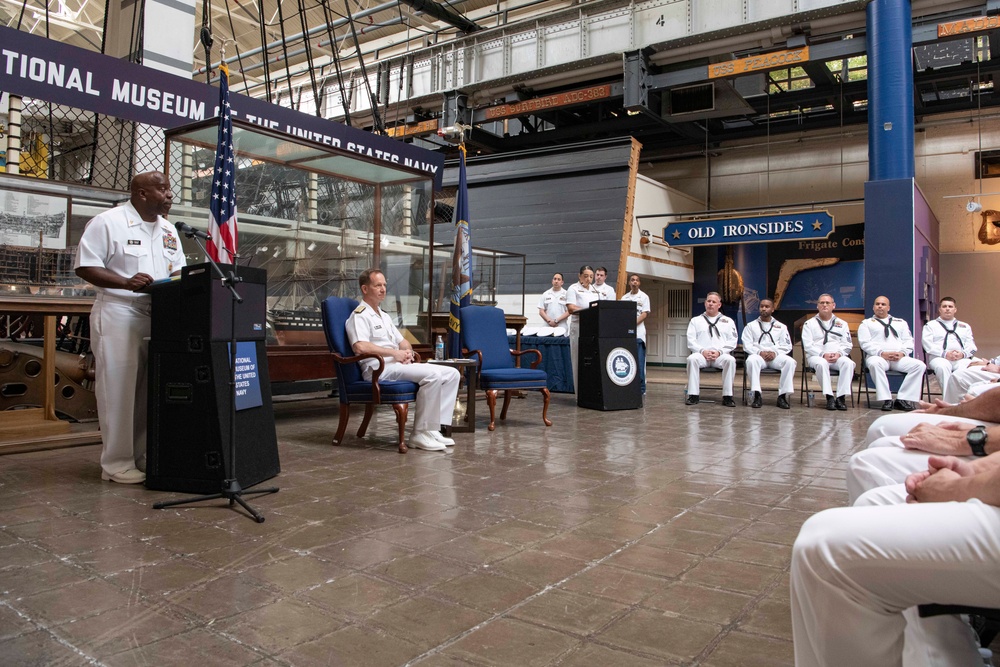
[548, 102]
[423, 127]
[759, 62]
[977, 24]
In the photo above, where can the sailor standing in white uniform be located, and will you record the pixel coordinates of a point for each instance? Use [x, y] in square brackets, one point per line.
[580, 296]
[888, 344]
[948, 343]
[826, 340]
[552, 305]
[768, 345]
[711, 337]
[123, 250]
[606, 291]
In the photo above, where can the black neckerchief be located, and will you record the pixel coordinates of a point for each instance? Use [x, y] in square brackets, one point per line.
[767, 333]
[950, 332]
[713, 329]
[888, 327]
[827, 332]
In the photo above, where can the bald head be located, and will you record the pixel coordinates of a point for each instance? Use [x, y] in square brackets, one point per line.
[151, 195]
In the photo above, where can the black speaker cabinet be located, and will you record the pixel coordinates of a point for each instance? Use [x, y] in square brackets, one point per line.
[608, 319]
[609, 374]
[187, 447]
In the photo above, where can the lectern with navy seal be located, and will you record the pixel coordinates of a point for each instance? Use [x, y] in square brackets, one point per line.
[609, 368]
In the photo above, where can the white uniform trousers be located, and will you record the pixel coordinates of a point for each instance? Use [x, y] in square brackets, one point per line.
[858, 573]
[118, 329]
[844, 365]
[981, 388]
[943, 369]
[696, 361]
[574, 354]
[901, 424]
[437, 394]
[961, 381]
[781, 362]
[910, 390]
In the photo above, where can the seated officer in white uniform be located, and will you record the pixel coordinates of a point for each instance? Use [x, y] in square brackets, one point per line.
[371, 331]
[768, 344]
[123, 250]
[711, 338]
[948, 343]
[858, 573]
[826, 340]
[888, 343]
[979, 373]
[552, 305]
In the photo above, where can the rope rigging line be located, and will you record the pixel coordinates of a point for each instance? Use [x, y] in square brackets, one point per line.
[263, 47]
[317, 96]
[336, 62]
[239, 57]
[376, 120]
[284, 52]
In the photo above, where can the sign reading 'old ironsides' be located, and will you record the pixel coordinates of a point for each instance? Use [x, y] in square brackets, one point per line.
[759, 62]
[758, 229]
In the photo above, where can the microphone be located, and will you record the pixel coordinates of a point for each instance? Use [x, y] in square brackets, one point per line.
[190, 231]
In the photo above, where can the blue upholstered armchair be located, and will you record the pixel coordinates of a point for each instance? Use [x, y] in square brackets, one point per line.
[351, 385]
[484, 334]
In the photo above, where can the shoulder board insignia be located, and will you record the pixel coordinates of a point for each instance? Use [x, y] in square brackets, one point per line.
[360, 308]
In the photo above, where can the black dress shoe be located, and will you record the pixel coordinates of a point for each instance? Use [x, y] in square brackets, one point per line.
[783, 402]
[692, 399]
[905, 406]
[841, 404]
[757, 400]
[886, 406]
[831, 403]
[727, 401]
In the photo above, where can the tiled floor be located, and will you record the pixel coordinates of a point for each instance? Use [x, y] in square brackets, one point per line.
[652, 537]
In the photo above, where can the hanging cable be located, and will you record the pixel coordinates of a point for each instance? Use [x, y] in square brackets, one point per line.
[336, 62]
[376, 120]
[239, 56]
[317, 97]
[284, 53]
[206, 37]
[263, 46]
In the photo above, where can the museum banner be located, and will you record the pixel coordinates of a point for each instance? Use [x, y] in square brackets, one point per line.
[809, 225]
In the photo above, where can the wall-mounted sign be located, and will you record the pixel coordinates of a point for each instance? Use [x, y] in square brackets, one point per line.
[414, 129]
[759, 62]
[977, 24]
[537, 104]
[758, 229]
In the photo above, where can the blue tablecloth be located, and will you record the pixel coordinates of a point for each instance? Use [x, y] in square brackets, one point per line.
[555, 359]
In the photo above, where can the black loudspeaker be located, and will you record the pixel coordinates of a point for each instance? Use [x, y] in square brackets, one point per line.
[609, 373]
[187, 448]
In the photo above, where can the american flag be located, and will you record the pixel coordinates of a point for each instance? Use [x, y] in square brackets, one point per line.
[461, 269]
[222, 219]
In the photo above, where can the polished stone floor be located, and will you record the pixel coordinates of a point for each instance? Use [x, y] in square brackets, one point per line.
[653, 537]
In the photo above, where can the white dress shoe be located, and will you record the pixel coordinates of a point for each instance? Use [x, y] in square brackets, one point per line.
[130, 476]
[442, 438]
[424, 440]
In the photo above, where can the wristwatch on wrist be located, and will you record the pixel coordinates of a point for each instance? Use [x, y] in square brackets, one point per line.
[977, 440]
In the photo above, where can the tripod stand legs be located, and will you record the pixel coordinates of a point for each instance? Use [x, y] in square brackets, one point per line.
[232, 492]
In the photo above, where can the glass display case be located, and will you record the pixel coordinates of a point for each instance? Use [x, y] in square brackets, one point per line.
[314, 216]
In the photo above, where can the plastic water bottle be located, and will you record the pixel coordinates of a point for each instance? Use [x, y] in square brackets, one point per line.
[439, 349]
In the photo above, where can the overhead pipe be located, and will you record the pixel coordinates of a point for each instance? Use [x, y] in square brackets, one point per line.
[443, 14]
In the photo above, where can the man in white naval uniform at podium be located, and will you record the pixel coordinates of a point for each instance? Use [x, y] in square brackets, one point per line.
[711, 338]
[768, 344]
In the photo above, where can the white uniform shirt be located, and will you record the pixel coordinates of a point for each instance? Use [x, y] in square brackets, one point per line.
[838, 340]
[641, 306]
[937, 340]
[372, 326]
[606, 291]
[700, 335]
[770, 336]
[553, 303]
[874, 339]
[581, 297]
[119, 240]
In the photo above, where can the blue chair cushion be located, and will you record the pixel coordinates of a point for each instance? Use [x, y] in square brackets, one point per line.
[391, 392]
[513, 378]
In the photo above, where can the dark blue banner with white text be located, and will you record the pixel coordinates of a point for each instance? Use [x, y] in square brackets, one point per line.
[757, 229]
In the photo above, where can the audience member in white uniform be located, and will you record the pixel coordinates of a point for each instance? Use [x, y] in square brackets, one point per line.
[947, 342]
[858, 573]
[888, 344]
[711, 337]
[580, 296]
[121, 251]
[980, 374]
[606, 291]
[768, 344]
[370, 331]
[826, 340]
[552, 305]
[641, 301]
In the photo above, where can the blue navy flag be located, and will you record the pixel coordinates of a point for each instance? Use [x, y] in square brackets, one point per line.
[461, 262]
[222, 217]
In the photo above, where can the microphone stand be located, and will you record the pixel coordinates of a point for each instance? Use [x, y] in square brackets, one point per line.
[231, 489]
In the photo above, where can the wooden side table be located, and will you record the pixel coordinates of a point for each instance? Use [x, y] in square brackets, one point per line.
[470, 372]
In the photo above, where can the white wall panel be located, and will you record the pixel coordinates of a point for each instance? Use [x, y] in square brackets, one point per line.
[561, 44]
[760, 10]
[661, 21]
[709, 15]
[609, 35]
[523, 53]
[490, 62]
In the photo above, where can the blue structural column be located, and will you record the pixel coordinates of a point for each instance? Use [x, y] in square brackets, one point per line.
[889, 192]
